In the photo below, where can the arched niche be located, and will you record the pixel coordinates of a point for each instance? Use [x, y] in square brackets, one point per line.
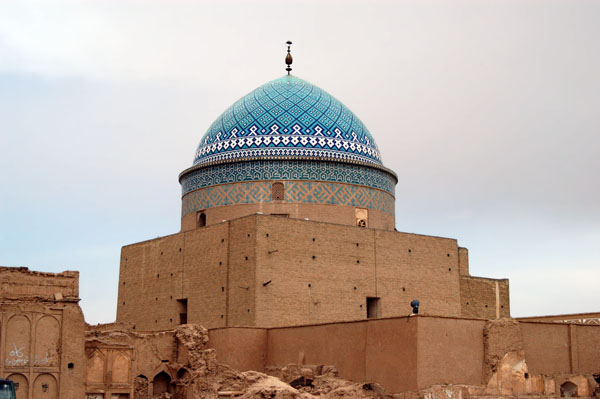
[161, 384]
[45, 387]
[95, 367]
[183, 374]
[120, 367]
[18, 334]
[21, 385]
[182, 383]
[47, 342]
[140, 387]
[568, 389]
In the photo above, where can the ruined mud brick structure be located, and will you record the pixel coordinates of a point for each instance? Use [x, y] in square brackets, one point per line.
[288, 219]
[42, 333]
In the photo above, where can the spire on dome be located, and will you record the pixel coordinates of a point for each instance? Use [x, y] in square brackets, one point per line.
[288, 58]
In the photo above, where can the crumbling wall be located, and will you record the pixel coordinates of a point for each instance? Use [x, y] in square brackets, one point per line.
[42, 327]
[20, 282]
[508, 349]
[499, 338]
[120, 359]
[415, 357]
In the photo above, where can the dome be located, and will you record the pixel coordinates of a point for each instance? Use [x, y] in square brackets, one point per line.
[287, 118]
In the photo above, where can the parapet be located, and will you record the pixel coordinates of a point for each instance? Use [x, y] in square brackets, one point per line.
[22, 283]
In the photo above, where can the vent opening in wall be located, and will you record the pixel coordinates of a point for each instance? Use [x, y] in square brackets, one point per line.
[372, 307]
[200, 219]
[281, 215]
[277, 191]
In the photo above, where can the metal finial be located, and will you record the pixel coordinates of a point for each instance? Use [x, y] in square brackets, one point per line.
[288, 58]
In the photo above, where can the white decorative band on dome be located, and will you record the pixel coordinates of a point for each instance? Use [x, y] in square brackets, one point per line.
[285, 152]
[286, 140]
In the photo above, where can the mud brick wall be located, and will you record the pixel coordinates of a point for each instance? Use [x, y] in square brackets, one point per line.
[267, 271]
[484, 297]
[42, 345]
[322, 272]
[21, 282]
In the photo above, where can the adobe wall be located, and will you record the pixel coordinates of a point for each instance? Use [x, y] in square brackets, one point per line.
[485, 298]
[339, 344]
[22, 282]
[266, 271]
[339, 214]
[319, 272]
[412, 353]
[200, 266]
[41, 330]
[120, 361]
[587, 341]
[392, 353]
[546, 347]
[560, 348]
[241, 348]
[402, 354]
[450, 349]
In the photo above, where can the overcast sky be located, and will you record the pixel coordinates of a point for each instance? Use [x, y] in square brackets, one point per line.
[488, 111]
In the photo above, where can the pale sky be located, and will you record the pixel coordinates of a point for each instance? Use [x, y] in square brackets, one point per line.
[488, 111]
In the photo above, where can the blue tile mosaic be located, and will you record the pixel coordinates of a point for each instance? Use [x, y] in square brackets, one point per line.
[287, 117]
[295, 192]
[288, 170]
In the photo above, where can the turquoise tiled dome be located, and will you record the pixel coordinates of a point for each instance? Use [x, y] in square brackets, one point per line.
[287, 118]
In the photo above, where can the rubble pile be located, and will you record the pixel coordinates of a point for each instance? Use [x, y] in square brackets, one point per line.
[208, 379]
[190, 370]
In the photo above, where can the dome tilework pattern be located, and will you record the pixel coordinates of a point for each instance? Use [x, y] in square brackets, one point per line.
[283, 169]
[287, 118]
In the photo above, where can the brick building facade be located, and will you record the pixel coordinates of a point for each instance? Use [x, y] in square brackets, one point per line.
[288, 219]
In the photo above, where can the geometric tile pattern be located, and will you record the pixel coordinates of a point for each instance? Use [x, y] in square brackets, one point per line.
[295, 192]
[287, 117]
[288, 170]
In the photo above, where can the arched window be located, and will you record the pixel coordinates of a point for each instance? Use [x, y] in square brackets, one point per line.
[200, 219]
[277, 191]
[362, 217]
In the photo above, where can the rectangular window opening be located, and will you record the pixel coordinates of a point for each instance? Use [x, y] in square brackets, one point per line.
[372, 307]
[281, 215]
[182, 305]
